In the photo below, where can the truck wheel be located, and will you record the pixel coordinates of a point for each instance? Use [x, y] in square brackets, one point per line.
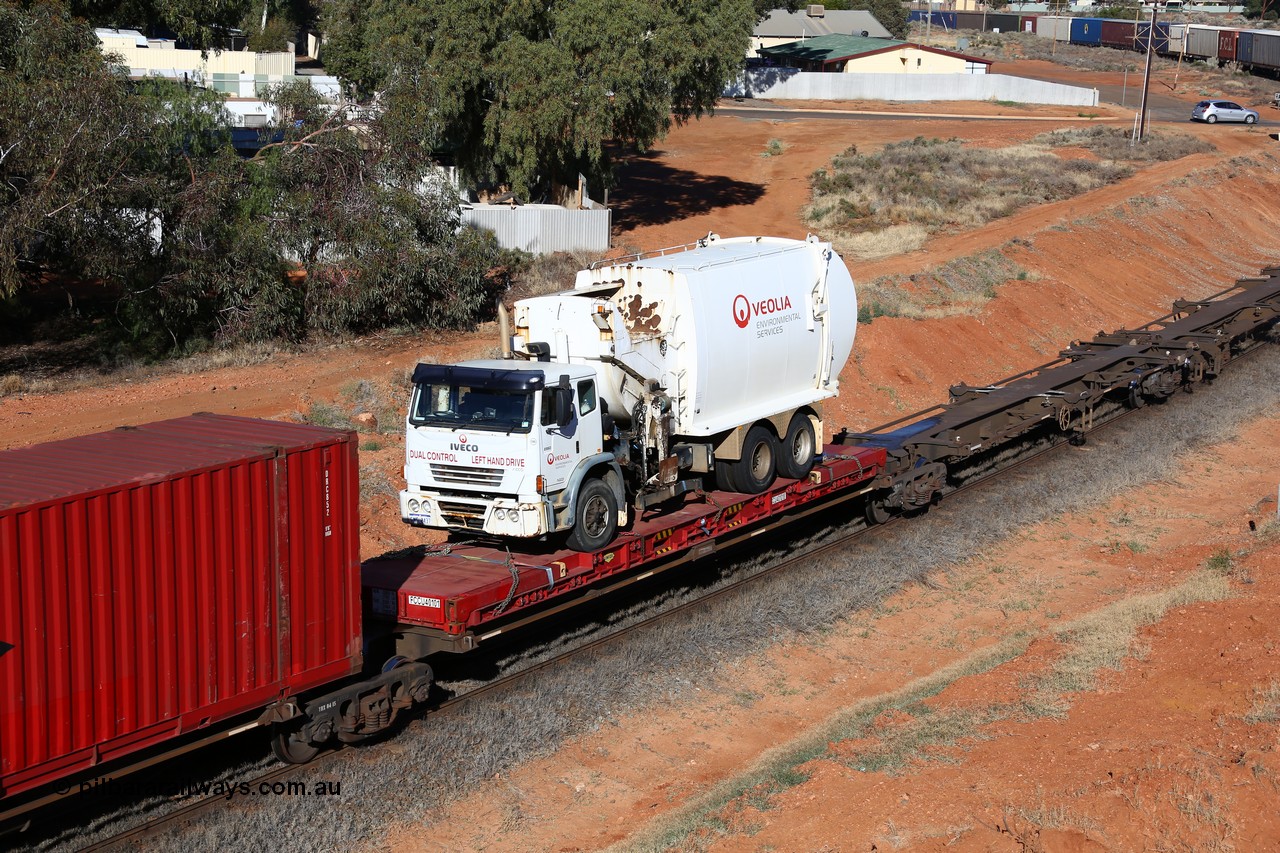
[757, 468]
[595, 518]
[798, 449]
[724, 476]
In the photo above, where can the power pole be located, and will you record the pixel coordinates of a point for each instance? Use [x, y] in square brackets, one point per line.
[1146, 78]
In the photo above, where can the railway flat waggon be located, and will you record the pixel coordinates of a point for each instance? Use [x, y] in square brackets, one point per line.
[450, 599]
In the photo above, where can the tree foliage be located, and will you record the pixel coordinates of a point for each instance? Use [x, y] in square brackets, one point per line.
[199, 23]
[1266, 10]
[528, 94]
[133, 186]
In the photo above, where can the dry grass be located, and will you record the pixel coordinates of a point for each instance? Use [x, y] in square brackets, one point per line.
[960, 286]
[1266, 705]
[548, 274]
[385, 401]
[46, 379]
[934, 185]
[875, 205]
[1105, 638]
[1111, 143]
[11, 384]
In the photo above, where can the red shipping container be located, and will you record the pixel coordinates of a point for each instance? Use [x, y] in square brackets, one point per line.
[1227, 44]
[160, 579]
[1118, 34]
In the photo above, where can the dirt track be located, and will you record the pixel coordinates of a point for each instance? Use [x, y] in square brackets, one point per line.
[1158, 756]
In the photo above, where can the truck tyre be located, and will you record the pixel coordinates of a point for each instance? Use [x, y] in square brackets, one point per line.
[756, 470]
[724, 476]
[799, 448]
[595, 517]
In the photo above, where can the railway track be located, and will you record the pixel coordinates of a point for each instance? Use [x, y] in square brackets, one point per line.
[1030, 451]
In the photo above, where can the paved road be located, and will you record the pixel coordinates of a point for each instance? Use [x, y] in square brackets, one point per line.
[1161, 109]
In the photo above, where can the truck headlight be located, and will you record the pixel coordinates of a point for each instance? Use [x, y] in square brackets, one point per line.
[414, 506]
[500, 514]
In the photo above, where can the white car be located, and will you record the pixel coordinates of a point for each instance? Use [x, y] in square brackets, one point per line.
[1216, 111]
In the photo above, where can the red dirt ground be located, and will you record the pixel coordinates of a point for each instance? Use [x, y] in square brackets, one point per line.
[1159, 756]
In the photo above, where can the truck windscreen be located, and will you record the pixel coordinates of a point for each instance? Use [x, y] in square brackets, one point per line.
[471, 407]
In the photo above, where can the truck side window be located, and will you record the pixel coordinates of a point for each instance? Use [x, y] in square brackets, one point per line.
[586, 396]
[548, 406]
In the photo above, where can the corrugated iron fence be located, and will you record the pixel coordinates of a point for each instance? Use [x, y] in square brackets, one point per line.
[542, 228]
[783, 83]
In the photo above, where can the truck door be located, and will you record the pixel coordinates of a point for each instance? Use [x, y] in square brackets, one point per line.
[559, 455]
[581, 437]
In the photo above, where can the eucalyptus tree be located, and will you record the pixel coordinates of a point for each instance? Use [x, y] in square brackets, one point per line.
[529, 94]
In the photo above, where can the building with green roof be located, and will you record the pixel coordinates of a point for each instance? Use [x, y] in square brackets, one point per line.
[868, 55]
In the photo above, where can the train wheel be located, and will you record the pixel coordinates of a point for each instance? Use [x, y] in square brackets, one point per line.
[289, 747]
[877, 512]
[798, 449]
[595, 521]
[1136, 400]
[757, 468]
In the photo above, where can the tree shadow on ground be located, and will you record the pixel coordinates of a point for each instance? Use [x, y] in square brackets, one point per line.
[650, 192]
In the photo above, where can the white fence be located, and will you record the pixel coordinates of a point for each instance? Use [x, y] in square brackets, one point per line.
[790, 83]
[542, 228]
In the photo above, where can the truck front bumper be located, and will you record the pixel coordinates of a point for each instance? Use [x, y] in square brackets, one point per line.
[494, 516]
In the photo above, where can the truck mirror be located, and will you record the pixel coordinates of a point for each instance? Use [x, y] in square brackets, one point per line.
[564, 406]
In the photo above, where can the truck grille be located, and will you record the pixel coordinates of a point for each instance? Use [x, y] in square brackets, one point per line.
[470, 516]
[468, 476]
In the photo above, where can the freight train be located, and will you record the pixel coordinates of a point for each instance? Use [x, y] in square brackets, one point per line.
[1256, 51]
[168, 585]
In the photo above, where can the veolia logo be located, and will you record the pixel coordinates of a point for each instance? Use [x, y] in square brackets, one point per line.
[462, 445]
[743, 308]
[551, 459]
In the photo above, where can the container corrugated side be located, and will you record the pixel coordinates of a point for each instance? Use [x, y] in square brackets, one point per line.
[1005, 23]
[1244, 47]
[1118, 34]
[1086, 30]
[1266, 49]
[209, 569]
[1201, 41]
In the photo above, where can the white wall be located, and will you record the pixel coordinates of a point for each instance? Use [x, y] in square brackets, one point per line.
[784, 83]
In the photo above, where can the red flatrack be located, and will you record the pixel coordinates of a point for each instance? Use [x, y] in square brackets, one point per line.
[458, 594]
[157, 580]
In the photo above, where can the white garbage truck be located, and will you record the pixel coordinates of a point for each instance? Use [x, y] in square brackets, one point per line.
[697, 367]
